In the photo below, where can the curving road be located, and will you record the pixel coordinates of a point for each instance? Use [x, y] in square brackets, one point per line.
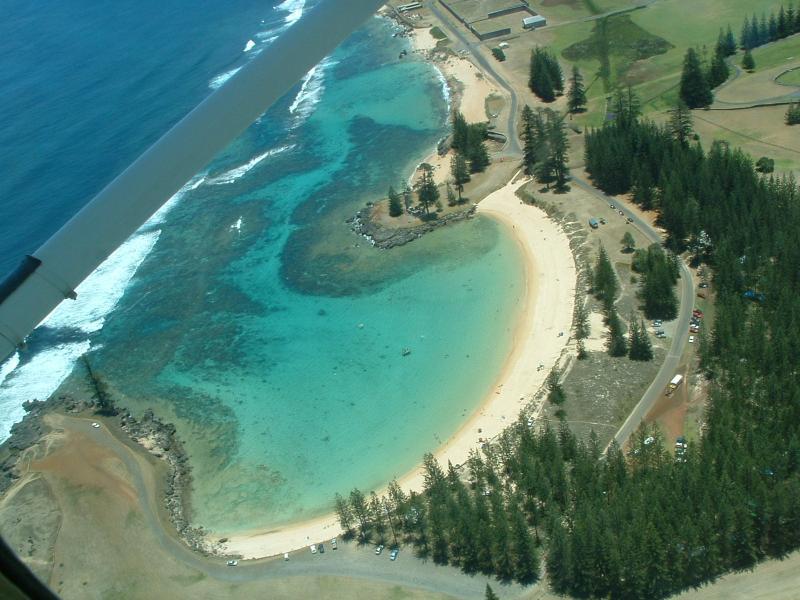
[673, 358]
[513, 146]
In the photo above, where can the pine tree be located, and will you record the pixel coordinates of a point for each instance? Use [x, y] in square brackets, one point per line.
[477, 153]
[793, 114]
[582, 329]
[490, 595]
[718, 71]
[556, 394]
[528, 139]
[377, 516]
[395, 203]
[576, 96]
[730, 42]
[460, 173]
[526, 560]
[748, 63]
[558, 146]
[657, 293]
[545, 75]
[460, 132]
[746, 37]
[604, 279]
[360, 511]
[556, 74]
[694, 88]
[344, 513]
[782, 27]
[640, 346]
[680, 122]
[617, 345]
[773, 28]
[428, 192]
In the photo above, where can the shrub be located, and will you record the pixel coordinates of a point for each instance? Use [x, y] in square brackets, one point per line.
[499, 54]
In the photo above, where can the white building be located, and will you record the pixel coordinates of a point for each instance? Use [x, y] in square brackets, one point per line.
[534, 22]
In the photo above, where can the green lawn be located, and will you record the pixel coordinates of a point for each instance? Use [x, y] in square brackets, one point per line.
[785, 51]
[655, 79]
[571, 10]
[790, 78]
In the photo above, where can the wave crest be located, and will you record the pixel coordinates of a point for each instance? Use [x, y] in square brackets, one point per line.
[238, 172]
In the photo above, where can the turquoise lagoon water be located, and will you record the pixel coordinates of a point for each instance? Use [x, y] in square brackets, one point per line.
[271, 334]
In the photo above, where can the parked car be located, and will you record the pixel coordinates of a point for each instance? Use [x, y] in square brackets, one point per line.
[630, 220]
[313, 548]
[611, 206]
[322, 548]
[378, 548]
[232, 563]
[285, 556]
[691, 339]
[333, 544]
[394, 553]
[703, 284]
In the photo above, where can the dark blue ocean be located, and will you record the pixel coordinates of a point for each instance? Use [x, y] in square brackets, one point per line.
[246, 311]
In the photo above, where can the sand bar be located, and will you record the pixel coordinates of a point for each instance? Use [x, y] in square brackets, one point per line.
[538, 344]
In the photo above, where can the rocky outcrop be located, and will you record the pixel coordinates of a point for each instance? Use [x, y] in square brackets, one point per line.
[389, 237]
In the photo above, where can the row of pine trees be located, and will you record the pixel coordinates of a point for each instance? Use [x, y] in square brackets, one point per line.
[757, 32]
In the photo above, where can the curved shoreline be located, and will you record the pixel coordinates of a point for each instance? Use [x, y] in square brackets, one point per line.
[548, 307]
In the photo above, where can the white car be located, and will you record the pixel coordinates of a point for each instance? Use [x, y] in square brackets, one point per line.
[691, 339]
[232, 563]
[313, 548]
[96, 425]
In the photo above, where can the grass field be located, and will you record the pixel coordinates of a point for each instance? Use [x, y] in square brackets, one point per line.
[758, 131]
[790, 78]
[782, 52]
[564, 11]
[645, 48]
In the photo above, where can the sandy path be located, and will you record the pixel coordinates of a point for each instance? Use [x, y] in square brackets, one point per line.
[547, 311]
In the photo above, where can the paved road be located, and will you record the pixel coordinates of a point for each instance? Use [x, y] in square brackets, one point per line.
[670, 365]
[513, 146]
[673, 357]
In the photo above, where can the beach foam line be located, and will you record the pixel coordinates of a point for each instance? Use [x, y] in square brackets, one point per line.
[238, 172]
[445, 86]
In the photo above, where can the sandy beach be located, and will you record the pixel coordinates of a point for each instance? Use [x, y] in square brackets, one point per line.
[468, 89]
[541, 335]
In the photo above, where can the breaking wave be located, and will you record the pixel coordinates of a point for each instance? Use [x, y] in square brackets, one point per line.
[311, 89]
[36, 377]
[238, 172]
